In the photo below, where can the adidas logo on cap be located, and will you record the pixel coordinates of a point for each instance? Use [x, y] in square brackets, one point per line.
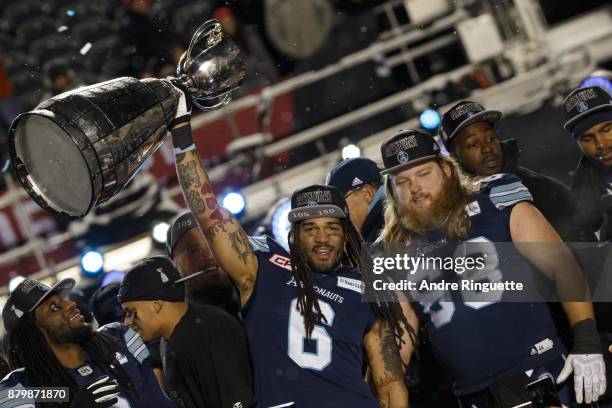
[356, 181]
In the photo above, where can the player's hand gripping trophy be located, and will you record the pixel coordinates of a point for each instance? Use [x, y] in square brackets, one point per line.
[80, 148]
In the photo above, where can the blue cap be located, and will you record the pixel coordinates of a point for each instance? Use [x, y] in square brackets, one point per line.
[352, 173]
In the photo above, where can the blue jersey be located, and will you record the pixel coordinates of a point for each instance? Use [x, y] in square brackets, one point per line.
[135, 360]
[480, 343]
[324, 371]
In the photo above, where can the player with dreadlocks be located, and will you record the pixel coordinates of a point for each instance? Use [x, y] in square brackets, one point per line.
[306, 323]
[50, 345]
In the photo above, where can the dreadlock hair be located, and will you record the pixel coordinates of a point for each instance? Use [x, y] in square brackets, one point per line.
[28, 348]
[387, 310]
[458, 221]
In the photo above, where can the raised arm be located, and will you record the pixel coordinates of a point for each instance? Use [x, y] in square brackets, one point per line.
[226, 238]
[386, 365]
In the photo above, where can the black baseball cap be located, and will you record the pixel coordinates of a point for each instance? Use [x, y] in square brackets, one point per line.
[317, 201]
[104, 306]
[179, 227]
[581, 109]
[407, 148]
[154, 278]
[463, 114]
[27, 296]
[353, 173]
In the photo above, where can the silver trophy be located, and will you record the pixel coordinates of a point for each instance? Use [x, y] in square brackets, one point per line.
[78, 149]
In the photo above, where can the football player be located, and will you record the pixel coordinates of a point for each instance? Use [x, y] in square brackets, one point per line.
[492, 348]
[302, 310]
[50, 345]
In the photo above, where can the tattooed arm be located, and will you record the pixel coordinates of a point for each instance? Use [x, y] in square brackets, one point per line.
[386, 367]
[226, 238]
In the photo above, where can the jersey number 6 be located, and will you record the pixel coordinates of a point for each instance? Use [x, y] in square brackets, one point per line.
[321, 357]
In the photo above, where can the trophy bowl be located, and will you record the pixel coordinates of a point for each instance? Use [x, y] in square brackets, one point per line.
[212, 67]
[78, 149]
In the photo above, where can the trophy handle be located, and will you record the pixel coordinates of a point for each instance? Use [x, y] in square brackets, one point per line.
[212, 28]
[226, 99]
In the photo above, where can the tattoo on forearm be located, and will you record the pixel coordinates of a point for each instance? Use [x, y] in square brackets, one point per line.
[240, 245]
[217, 227]
[196, 204]
[180, 157]
[188, 175]
[390, 353]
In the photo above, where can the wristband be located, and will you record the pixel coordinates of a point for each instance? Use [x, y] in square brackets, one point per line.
[182, 140]
[586, 338]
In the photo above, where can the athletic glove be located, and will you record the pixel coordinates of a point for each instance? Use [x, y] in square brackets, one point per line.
[102, 393]
[185, 104]
[586, 362]
[182, 140]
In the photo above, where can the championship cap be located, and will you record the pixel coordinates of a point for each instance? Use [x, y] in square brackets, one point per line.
[179, 227]
[154, 278]
[27, 296]
[353, 173]
[407, 148]
[317, 201]
[463, 114]
[583, 108]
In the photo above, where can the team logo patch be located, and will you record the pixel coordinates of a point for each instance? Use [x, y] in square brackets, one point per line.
[121, 358]
[582, 107]
[473, 208]
[281, 261]
[85, 371]
[402, 157]
[237, 405]
[164, 277]
[17, 312]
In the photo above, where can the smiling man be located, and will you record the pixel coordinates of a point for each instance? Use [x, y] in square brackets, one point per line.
[302, 310]
[588, 117]
[50, 345]
[206, 361]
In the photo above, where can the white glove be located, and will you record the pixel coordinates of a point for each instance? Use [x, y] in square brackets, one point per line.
[589, 376]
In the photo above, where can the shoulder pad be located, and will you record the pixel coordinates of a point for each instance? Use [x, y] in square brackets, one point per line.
[504, 190]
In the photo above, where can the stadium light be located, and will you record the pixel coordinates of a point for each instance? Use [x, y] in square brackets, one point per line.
[14, 282]
[429, 119]
[92, 263]
[160, 231]
[280, 224]
[234, 202]
[351, 151]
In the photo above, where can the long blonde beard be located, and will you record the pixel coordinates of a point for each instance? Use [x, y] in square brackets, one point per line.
[436, 215]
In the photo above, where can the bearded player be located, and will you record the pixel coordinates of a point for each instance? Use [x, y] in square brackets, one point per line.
[490, 349]
[302, 311]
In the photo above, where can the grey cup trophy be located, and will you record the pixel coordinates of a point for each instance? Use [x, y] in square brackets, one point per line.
[78, 149]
